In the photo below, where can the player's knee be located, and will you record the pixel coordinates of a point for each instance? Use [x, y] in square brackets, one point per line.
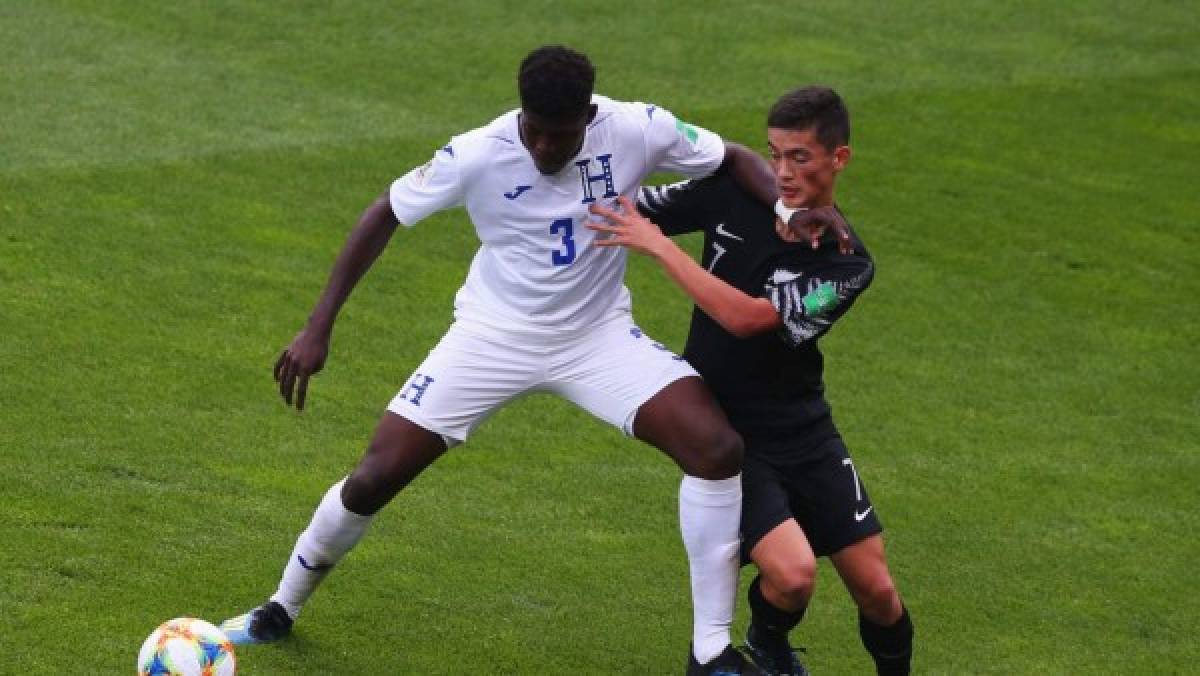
[718, 456]
[795, 580]
[364, 492]
[391, 462]
[373, 483]
[878, 599]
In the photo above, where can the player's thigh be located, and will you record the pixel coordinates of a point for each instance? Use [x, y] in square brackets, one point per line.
[765, 502]
[771, 537]
[830, 501]
[858, 563]
[864, 570]
[614, 369]
[399, 451]
[785, 559]
[684, 420]
[631, 381]
[464, 379]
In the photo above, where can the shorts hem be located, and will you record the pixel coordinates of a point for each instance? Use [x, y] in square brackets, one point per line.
[672, 376]
[424, 423]
[858, 537]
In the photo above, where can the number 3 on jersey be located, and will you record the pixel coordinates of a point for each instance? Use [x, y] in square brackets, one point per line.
[567, 255]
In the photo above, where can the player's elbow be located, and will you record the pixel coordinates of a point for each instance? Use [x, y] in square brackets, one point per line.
[736, 154]
[379, 217]
[746, 329]
[742, 329]
[762, 319]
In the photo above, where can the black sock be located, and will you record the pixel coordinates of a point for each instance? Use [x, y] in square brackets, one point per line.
[891, 647]
[768, 624]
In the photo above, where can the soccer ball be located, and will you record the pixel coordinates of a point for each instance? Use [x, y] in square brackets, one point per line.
[186, 646]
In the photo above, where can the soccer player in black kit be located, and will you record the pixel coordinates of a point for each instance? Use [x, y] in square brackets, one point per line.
[765, 292]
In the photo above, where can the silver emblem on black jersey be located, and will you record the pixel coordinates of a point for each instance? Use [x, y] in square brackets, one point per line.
[725, 233]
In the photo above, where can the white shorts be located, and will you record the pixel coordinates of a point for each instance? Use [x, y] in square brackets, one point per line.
[609, 371]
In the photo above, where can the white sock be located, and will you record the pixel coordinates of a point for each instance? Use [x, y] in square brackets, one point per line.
[333, 531]
[709, 518]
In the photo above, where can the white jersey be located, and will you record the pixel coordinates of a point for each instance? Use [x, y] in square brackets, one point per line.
[536, 270]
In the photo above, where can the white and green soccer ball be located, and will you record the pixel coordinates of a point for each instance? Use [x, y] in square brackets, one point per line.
[186, 646]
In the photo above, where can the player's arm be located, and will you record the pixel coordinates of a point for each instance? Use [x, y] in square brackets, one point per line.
[678, 208]
[307, 352]
[737, 312]
[422, 191]
[755, 176]
[751, 172]
[809, 304]
[674, 145]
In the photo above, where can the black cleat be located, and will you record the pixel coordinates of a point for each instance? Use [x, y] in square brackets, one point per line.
[772, 658]
[728, 663]
[266, 623]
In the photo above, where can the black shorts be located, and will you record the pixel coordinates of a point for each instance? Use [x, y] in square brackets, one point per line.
[822, 491]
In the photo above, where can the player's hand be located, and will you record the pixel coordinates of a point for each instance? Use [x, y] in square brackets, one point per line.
[305, 357]
[627, 228]
[810, 224]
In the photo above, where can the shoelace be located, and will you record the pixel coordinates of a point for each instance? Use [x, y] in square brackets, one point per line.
[792, 659]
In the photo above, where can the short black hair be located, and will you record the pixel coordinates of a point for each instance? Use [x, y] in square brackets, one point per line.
[556, 82]
[818, 108]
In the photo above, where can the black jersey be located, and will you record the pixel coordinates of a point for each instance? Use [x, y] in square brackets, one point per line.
[770, 385]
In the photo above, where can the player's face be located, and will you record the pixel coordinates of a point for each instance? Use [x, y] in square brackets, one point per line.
[805, 170]
[552, 143]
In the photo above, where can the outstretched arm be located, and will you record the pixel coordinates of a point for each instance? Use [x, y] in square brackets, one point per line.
[751, 172]
[306, 354]
[738, 313]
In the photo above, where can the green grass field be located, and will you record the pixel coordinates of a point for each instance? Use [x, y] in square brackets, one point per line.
[1020, 388]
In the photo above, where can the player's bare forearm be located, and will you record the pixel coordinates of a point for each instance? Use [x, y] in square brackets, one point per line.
[737, 312]
[365, 243]
[751, 172]
[305, 356]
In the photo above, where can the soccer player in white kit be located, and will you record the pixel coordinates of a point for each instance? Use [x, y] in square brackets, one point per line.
[541, 310]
